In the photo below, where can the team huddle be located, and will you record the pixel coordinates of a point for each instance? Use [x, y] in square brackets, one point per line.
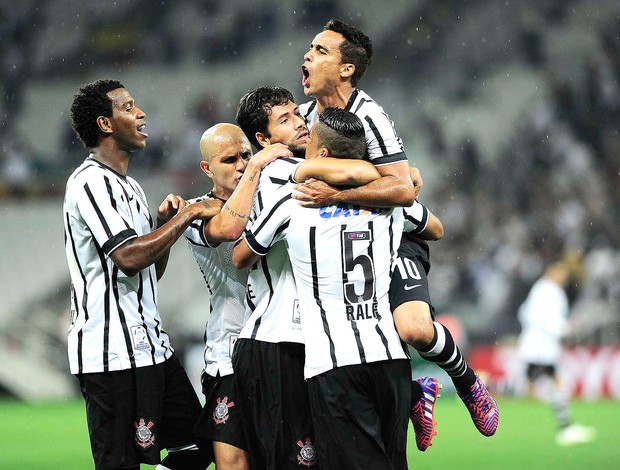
[315, 257]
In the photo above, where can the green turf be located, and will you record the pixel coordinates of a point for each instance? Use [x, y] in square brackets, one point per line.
[53, 436]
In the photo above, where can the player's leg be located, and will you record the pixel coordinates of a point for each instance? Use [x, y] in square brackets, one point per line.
[297, 437]
[221, 422]
[180, 411]
[392, 388]
[414, 320]
[258, 385]
[347, 424]
[113, 404]
[545, 385]
[229, 457]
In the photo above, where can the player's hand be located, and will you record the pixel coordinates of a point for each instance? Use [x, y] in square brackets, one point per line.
[270, 153]
[207, 208]
[169, 208]
[416, 177]
[315, 193]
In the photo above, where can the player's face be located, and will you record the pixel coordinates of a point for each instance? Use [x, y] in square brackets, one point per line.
[287, 126]
[312, 148]
[322, 64]
[128, 121]
[227, 164]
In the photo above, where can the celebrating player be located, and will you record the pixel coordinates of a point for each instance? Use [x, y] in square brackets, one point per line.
[139, 399]
[269, 356]
[226, 159]
[336, 61]
[357, 371]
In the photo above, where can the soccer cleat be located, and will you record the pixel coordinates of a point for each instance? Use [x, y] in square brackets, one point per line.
[422, 413]
[575, 434]
[482, 408]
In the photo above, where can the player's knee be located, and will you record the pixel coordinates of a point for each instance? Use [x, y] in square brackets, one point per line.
[231, 458]
[414, 324]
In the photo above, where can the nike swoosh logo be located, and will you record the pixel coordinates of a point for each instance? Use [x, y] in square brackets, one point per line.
[412, 287]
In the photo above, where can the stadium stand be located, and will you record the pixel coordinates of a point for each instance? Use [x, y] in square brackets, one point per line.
[510, 110]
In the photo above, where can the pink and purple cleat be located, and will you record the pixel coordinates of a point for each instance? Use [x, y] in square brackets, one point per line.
[422, 413]
[482, 408]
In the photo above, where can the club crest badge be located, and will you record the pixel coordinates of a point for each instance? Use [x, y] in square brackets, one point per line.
[307, 453]
[144, 436]
[220, 414]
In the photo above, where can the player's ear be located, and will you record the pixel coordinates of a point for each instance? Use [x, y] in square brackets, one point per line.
[323, 152]
[204, 166]
[262, 139]
[347, 70]
[104, 124]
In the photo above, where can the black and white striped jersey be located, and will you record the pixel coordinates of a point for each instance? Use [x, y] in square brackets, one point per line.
[416, 218]
[272, 306]
[341, 258]
[384, 145]
[115, 323]
[226, 286]
[411, 245]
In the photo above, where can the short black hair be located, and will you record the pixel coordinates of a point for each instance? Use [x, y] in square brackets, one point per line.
[255, 108]
[90, 102]
[356, 48]
[342, 133]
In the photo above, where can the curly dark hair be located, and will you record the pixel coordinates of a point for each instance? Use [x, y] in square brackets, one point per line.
[90, 102]
[356, 48]
[255, 107]
[342, 133]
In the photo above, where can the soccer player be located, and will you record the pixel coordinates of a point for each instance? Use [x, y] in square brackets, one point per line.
[337, 60]
[227, 159]
[544, 321]
[356, 367]
[138, 397]
[269, 356]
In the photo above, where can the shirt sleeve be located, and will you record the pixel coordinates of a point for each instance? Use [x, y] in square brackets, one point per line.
[195, 233]
[272, 224]
[416, 218]
[104, 206]
[384, 145]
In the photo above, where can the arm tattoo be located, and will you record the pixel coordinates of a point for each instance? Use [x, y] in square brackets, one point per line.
[251, 178]
[236, 214]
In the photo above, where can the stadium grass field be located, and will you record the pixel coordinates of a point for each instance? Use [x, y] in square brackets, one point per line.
[53, 436]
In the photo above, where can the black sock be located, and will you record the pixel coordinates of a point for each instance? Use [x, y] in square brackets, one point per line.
[444, 352]
[416, 392]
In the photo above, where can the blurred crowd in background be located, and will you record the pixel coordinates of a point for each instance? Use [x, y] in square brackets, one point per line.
[511, 112]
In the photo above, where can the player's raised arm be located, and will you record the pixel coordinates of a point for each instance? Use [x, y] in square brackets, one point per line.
[243, 256]
[229, 224]
[138, 253]
[337, 171]
[386, 191]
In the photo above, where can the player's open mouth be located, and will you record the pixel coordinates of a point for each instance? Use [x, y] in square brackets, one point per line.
[305, 75]
[141, 129]
[303, 136]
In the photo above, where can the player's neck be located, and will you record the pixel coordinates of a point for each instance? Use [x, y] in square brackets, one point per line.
[221, 194]
[116, 159]
[339, 98]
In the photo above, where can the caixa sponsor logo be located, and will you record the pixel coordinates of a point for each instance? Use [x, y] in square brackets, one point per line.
[331, 212]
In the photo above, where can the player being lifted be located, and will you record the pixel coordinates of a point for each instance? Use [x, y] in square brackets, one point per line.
[337, 60]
